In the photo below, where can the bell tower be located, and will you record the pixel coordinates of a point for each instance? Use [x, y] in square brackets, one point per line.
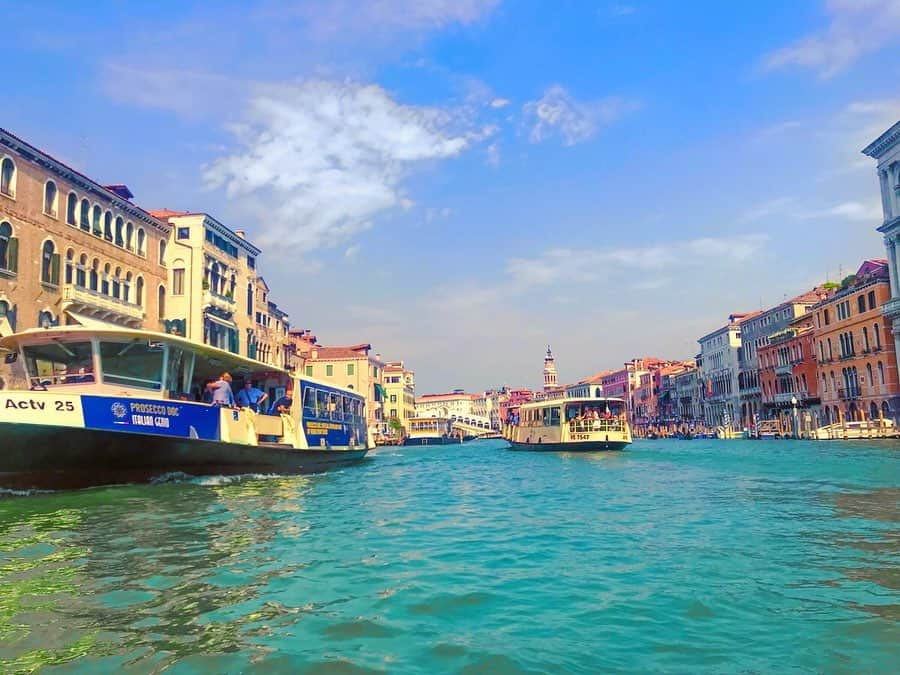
[549, 370]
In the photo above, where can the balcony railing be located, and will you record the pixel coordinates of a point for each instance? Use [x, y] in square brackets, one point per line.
[95, 302]
[588, 426]
[848, 394]
[783, 369]
[223, 302]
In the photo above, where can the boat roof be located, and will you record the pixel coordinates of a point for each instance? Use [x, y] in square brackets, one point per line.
[580, 399]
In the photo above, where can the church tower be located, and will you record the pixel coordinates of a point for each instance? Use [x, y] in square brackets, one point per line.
[549, 371]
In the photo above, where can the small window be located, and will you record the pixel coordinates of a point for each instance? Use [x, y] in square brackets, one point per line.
[108, 226]
[309, 371]
[162, 252]
[329, 370]
[251, 262]
[871, 299]
[120, 236]
[861, 303]
[9, 248]
[350, 369]
[84, 216]
[139, 298]
[141, 239]
[178, 282]
[8, 177]
[96, 221]
[72, 209]
[183, 233]
[50, 195]
[49, 263]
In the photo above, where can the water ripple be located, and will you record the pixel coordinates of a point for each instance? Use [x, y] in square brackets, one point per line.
[674, 556]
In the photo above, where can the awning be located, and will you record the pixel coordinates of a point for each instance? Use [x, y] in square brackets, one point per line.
[91, 322]
[5, 327]
[221, 321]
[380, 390]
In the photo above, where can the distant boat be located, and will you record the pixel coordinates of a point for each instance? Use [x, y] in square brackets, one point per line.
[570, 424]
[430, 431]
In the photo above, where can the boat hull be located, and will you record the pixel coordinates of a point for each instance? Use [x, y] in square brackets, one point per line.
[438, 440]
[35, 456]
[582, 446]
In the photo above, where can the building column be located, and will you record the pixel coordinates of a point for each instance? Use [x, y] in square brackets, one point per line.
[891, 245]
[884, 183]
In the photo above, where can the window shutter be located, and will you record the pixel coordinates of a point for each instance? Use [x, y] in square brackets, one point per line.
[12, 255]
[54, 269]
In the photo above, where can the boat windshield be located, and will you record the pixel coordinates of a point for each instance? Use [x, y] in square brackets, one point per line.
[59, 363]
[427, 425]
[137, 363]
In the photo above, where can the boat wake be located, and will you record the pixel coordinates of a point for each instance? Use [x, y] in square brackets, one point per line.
[177, 477]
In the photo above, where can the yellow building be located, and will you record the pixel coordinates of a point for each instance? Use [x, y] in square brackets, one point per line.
[212, 282]
[73, 251]
[354, 367]
[400, 394]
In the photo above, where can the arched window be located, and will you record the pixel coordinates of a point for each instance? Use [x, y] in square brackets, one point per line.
[72, 209]
[120, 236]
[803, 379]
[877, 336]
[833, 387]
[9, 248]
[126, 288]
[880, 373]
[250, 299]
[94, 276]
[161, 301]
[824, 383]
[140, 242]
[98, 213]
[873, 411]
[162, 252]
[84, 220]
[129, 236]
[50, 198]
[830, 352]
[8, 177]
[139, 296]
[871, 299]
[869, 376]
[81, 271]
[117, 283]
[70, 266]
[885, 410]
[865, 340]
[821, 351]
[49, 263]
[233, 285]
[104, 282]
[108, 226]
[861, 303]
[214, 278]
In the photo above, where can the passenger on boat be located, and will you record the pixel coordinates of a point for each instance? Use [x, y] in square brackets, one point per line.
[251, 397]
[283, 404]
[221, 391]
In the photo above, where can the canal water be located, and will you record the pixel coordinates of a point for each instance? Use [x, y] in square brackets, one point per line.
[680, 556]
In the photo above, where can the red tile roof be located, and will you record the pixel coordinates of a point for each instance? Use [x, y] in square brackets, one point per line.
[351, 352]
[167, 213]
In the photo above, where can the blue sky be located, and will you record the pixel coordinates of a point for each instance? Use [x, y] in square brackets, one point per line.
[461, 182]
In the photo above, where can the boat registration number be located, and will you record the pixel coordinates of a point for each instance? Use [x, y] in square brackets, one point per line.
[581, 437]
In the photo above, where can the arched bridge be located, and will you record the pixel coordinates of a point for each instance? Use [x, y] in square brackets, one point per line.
[470, 425]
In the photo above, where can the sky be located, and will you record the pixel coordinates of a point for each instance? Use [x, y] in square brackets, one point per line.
[463, 182]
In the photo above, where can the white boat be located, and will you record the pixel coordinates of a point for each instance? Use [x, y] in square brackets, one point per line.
[570, 425]
[117, 405]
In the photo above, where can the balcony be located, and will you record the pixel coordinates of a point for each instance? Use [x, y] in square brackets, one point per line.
[783, 369]
[848, 394]
[891, 308]
[101, 307]
[220, 302]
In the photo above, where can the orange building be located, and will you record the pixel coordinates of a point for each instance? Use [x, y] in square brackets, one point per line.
[857, 364]
[788, 376]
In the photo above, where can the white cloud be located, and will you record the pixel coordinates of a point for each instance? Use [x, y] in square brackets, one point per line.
[500, 103]
[352, 252]
[618, 9]
[850, 211]
[318, 160]
[856, 27]
[557, 112]
[493, 154]
[564, 264]
[329, 19]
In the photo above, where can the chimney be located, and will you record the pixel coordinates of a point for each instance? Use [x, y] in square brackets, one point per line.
[241, 234]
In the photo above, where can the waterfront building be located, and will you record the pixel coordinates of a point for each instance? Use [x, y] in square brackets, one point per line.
[857, 364]
[269, 340]
[621, 383]
[353, 367]
[688, 394]
[400, 395]
[73, 251]
[755, 334]
[667, 405]
[487, 406]
[886, 151]
[788, 377]
[720, 353]
[212, 282]
[590, 387]
[456, 403]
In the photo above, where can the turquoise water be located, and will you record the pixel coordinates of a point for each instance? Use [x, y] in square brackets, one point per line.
[675, 556]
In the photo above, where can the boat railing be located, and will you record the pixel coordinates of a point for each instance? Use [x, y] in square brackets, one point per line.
[589, 426]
